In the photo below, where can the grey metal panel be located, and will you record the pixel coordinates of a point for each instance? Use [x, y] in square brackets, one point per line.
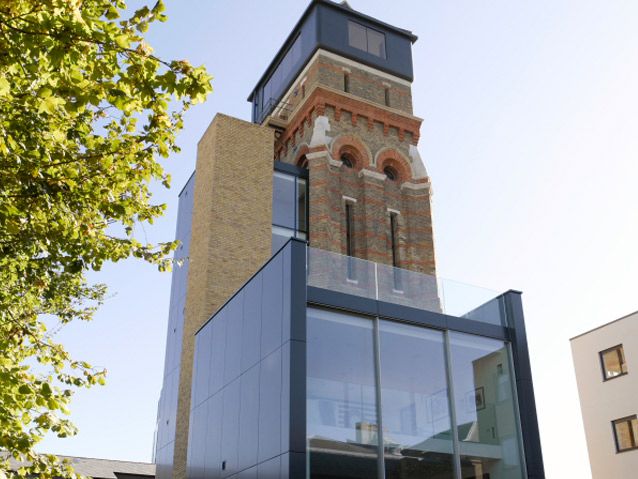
[297, 397]
[293, 465]
[248, 473]
[272, 308]
[285, 398]
[344, 301]
[212, 460]
[230, 429]
[524, 386]
[232, 354]
[251, 328]
[218, 342]
[333, 34]
[270, 469]
[197, 433]
[270, 406]
[249, 418]
[286, 292]
[200, 366]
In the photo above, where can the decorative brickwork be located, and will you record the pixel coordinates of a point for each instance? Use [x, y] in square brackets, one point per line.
[377, 140]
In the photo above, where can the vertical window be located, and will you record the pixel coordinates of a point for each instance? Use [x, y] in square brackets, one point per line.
[341, 407]
[394, 247]
[387, 96]
[357, 37]
[346, 82]
[626, 433]
[302, 206]
[289, 209]
[349, 229]
[366, 39]
[303, 90]
[613, 362]
[415, 408]
[484, 406]
[349, 213]
[394, 239]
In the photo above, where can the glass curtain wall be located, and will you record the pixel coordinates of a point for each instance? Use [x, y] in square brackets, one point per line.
[406, 428]
[342, 422]
[414, 403]
[289, 209]
[487, 424]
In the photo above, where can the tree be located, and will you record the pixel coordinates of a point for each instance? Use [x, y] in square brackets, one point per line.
[86, 110]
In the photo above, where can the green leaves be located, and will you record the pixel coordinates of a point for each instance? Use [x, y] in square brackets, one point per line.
[86, 109]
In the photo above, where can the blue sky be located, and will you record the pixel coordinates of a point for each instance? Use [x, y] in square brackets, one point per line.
[530, 138]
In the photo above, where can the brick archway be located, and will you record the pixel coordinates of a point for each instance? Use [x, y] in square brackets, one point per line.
[354, 147]
[301, 152]
[389, 157]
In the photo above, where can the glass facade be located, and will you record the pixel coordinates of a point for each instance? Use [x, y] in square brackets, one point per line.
[289, 209]
[390, 400]
[415, 403]
[487, 424]
[341, 406]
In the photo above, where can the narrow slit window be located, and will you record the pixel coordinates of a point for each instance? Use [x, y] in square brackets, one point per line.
[346, 83]
[349, 229]
[394, 246]
[349, 213]
[387, 96]
[394, 240]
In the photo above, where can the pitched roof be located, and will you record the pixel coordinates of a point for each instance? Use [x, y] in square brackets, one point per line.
[104, 468]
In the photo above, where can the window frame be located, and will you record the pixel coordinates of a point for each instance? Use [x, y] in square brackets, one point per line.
[384, 55]
[601, 355]
[634, 439]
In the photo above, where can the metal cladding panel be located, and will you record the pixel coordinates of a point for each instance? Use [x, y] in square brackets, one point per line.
[251, 326]
[249, 418]
[212, 460]
[167, 406]
[230, 429]
[333, 35]
[270, 406]
[242, 376]
[327, 27]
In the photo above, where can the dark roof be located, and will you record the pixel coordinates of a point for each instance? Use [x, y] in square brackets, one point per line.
[103, 468]
[344, 6]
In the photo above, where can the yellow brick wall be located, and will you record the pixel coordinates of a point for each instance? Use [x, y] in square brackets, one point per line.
[230, 236]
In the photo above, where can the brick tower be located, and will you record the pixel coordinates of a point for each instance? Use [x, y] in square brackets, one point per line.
[347, 117]
[331, 116]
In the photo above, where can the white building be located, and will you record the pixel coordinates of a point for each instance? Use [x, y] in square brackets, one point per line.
[606, 364]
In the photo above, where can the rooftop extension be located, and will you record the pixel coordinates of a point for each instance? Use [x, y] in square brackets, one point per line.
[337, 28]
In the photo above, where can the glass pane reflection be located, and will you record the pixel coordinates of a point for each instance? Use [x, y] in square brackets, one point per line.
[414, 403]
[341, 405]
[486, 420]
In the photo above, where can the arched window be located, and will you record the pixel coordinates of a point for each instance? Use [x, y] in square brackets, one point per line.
[347, 160]
[390, 173]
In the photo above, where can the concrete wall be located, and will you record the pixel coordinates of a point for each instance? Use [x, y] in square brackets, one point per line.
[230, 237]
[604, 401]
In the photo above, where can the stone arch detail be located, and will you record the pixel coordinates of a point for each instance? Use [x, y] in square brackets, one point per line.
[355, 147]
[302, 150]
[395, 159]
